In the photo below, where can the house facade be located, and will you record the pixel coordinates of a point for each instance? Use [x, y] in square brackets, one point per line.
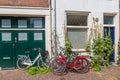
[77, 17]
[24, 25]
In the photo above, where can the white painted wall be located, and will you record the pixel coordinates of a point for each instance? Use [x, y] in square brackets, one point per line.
[97, 8]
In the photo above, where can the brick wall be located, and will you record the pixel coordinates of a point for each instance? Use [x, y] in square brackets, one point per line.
[31, 3]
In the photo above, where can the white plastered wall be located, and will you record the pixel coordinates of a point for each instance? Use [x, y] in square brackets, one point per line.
[97, 8]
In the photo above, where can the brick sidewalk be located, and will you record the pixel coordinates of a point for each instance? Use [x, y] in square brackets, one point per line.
[112, 73]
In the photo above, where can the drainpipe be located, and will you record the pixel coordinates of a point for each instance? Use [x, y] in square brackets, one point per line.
[50, 14]
[55, 27]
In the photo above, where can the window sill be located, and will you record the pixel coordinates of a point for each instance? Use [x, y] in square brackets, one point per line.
[79, 50]
[77, 26]
[110, 25]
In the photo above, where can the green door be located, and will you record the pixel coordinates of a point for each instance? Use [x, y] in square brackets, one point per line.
[19, 35]
[7, 49]
[29, 39]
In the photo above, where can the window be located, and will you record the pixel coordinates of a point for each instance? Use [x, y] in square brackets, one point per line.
[109, 25]
[76, 20]
[38, 23]
[22, 36]
[38, 36]
[108, 19]
[77, 37]
[22, 23]
[77, 29]
[6, 23]
[6, 36]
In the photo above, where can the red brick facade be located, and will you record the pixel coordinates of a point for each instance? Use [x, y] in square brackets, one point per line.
[29, 3]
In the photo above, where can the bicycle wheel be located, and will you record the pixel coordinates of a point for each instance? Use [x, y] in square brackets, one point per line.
[50, 61]
[20, 64]
[43, 62]
[82, 65]
[58, 67]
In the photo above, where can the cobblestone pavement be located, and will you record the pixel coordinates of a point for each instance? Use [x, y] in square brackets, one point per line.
[112, 73]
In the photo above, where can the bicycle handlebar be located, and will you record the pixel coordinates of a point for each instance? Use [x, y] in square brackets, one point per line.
[37, 49]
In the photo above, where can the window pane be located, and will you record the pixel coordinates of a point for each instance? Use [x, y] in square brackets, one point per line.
[6, 36]
[22, 23]
[108, 20]
[76, 20]
[38, 23]
[22, 36]
[38, 36]
[6, 23]
[78, 38]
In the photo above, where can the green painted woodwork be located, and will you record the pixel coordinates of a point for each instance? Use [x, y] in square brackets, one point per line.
[14, 42]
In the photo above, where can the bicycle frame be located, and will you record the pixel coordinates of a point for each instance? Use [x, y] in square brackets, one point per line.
[72, 65]
[37, 57]
[28, 61]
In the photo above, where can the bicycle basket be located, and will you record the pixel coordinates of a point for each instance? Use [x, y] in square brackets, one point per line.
[44, 53]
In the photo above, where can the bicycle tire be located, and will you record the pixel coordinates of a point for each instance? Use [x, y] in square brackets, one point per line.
[43, 63]
[58, 67]
[50, 61]
[20, 65]
[82, 65]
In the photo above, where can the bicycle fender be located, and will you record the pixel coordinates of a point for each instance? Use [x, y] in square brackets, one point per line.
[22, 57]
[82, 57]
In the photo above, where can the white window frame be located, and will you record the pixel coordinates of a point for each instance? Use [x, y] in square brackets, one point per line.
[4, 22]
[22, 22]
[109, 25]
[85, 27]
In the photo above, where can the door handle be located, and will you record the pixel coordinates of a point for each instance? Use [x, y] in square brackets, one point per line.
[15, 39]
[13, 45]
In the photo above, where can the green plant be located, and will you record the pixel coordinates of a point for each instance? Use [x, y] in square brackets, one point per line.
[35, 70]
[43, 69]
[96, 63]
[32, 70]
[118, 62]
[88, 47]
[68, 46]
[103, 48]
[98, 53]
[108, 49]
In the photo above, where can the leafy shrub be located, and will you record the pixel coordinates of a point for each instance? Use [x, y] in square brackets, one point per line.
[96, 63]
[103, 48]
[118, 62]
[68, 46]
[108, 49]
[35, 70]
[88, 47]
[44, 69]
[32, 70]
[98, 53]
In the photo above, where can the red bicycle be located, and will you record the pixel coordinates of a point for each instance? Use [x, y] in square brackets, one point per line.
[79, 63]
